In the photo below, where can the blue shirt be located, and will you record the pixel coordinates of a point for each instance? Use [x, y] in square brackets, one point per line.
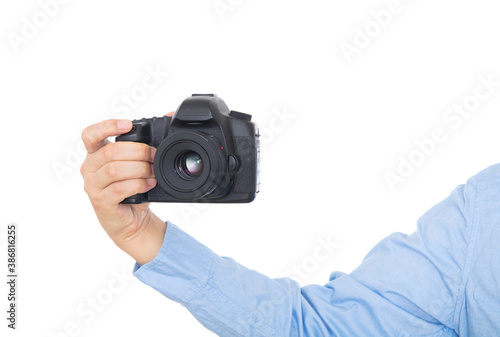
[442, 280]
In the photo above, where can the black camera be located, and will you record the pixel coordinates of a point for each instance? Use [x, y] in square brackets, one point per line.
[205, 153]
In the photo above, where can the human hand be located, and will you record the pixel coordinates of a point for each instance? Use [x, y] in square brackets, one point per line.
[113, 172]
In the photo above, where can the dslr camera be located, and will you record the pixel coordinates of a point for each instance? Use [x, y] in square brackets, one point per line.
[205, 153]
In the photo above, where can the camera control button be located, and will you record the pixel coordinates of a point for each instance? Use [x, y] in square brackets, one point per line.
[232, 163]
[206, 95]
[240, 115]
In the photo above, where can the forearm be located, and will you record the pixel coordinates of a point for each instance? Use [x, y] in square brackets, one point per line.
[224, 296]
[232, 300]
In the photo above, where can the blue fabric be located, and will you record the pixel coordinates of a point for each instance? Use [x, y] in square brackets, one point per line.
[442, 280]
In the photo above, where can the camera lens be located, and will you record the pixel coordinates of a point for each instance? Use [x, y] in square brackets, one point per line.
[189, 165]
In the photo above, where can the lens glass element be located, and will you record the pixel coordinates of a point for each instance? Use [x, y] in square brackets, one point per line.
[189, 165]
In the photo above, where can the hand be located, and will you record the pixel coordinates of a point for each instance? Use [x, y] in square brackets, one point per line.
[113, 172]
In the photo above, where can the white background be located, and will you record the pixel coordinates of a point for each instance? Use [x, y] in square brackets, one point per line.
[323, 166]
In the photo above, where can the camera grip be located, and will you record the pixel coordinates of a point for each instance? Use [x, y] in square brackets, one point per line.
[140, 133]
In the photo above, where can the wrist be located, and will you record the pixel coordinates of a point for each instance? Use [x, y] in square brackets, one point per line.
[144, 247]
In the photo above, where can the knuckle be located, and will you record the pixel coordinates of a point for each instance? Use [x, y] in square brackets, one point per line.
[150, 170]
[119, 188]
[97, 201]
[112, 169]
[87, 188]
[83, 169]
[93, 195]
[108, 126]
[85, 135]
[109, 151]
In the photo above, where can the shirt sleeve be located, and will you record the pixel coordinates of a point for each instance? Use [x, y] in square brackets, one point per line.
[408, 285]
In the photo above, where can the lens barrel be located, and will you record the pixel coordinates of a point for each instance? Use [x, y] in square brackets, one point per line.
[189, 165]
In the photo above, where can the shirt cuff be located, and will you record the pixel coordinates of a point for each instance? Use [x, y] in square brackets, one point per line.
[181, 268]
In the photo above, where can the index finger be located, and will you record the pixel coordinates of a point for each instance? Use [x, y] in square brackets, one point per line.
[94, 136]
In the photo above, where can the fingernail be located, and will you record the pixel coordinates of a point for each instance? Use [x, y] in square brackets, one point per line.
[151, 182]
[153, 153]
[124, 124]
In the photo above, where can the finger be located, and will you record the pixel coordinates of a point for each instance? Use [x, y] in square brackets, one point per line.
[120, 170]
[119, 190]
[171, 113]
[94, 136]
[120, 151]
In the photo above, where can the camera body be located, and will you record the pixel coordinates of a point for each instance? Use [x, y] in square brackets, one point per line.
[205, 153]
